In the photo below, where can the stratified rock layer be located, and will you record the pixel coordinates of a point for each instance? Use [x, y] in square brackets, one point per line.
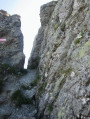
[63, 92]
[11, 50]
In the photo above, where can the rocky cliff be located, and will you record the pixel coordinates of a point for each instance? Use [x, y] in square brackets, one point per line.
[15, 90]
[11, 40]
[56, 84]
[61, 53]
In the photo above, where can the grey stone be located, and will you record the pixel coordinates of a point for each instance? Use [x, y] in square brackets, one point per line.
[61, 57]
[5, 110]
[30, 93]
[64, 64]
[46, 11]
[28, 78]
[11, 51]
[26, 111]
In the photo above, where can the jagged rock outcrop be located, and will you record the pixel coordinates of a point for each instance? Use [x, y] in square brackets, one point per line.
[11, 50]
[45, 12]
[16, 94]
[63, 47]
[60, 56]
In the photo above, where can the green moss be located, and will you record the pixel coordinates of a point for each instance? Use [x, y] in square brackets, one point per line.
[63, 27]
[8, 69]
[82, 34]
[42, 88]
[50, 108]
[18, 98]
[1, 84]
[77, 41]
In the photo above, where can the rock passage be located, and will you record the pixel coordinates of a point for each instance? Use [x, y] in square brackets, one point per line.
[56, 84]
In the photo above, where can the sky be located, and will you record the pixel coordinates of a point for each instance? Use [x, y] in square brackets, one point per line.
[29, 11]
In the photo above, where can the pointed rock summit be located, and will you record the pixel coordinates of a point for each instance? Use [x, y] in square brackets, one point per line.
[11, 40]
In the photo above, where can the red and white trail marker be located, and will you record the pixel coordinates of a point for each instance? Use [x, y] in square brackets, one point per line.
[2, 40]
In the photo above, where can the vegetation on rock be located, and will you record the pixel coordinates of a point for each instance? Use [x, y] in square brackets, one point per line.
[7, 69]
[18, 98]
[1, 84]
[50, 107]
[42, 88]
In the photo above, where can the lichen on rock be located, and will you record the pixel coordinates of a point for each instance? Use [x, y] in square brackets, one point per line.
[64, 51]
[58, 76]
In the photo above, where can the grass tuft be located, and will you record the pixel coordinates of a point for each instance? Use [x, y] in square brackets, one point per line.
[50, 108]
[77, 41]
[1, 84]
[7, 69]
[18, 98]
[42, 88]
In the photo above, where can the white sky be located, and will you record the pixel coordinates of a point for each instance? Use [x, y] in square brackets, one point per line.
[30, 20]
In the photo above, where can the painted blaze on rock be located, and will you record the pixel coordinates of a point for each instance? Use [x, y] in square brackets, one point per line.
[11, 40]
[2, 39]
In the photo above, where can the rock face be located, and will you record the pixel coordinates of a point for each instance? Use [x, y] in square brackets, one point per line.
[11, 49]
[16, 93]
[63, 48]
[60, 56]
[45, 12]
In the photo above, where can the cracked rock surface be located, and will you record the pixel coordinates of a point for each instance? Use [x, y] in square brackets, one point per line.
[63, 92]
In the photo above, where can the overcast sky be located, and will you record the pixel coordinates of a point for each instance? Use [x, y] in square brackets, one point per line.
[30, 20]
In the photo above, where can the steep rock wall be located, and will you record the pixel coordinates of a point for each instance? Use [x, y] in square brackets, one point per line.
[45, 12]
[63, 92]
[11, 50]
[16, 94]
[15, 91]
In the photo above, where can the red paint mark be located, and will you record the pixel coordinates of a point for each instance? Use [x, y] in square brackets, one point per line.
[2, 40]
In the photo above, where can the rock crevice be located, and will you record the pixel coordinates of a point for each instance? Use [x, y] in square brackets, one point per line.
[56, 84]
